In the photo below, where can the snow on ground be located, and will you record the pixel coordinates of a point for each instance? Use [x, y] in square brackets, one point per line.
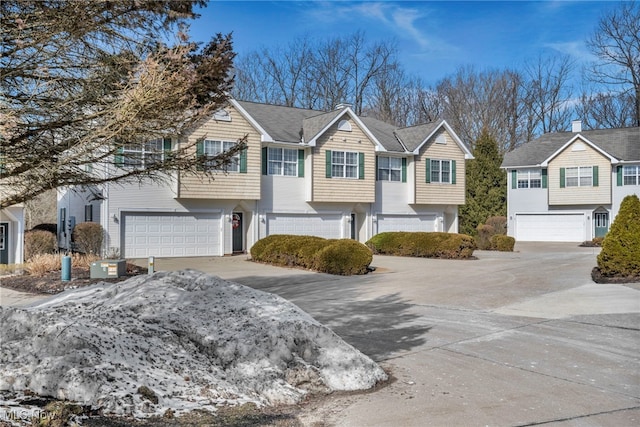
[194, 340]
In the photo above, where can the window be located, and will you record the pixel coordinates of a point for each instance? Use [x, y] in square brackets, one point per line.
[214, 148]
[391, 169]
[529, 178]
[344, 164]
[139, 156]
[344, 125]
[282, 161]
[440, 171]
[579, 176]
[631, 175]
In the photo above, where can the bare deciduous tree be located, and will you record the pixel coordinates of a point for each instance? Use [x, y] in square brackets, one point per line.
[616, 44]
[81, 80]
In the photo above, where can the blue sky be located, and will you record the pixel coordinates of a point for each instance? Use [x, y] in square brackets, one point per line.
[434, 38]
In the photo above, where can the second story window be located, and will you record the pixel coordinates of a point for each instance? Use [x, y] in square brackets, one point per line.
[440, 171]
[282, 161]
[344, 164]
[139, 156]
[390, 169]
[215, 148]
[581, 176]
[631, 175]
[530, 178]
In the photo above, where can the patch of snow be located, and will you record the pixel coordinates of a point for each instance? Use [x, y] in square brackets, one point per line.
[194, 340]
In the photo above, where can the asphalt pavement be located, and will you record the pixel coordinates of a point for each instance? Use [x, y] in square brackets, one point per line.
[508, 339]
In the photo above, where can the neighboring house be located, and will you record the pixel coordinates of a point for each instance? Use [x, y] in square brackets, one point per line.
[568, 186]
[12, 235]
[329, 174]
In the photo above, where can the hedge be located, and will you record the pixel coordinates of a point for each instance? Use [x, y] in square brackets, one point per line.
[334, 256]
[423, 244]
[500, 242]
[620, 254]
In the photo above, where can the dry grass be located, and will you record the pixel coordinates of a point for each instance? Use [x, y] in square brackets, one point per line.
[42, 264]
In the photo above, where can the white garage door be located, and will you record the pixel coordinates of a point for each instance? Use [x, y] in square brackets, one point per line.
[406, 223]
[550, 227]
[328, 226]
[171, 234]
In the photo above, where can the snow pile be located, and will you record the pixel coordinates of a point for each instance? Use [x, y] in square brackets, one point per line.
[179, 340]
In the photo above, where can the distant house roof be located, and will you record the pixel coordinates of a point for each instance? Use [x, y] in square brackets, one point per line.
[622, 144]
[297, 125]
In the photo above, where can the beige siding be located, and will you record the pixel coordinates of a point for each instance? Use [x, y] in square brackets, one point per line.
[437, 193]
[570, 157]
[344, 189]
[232, 185]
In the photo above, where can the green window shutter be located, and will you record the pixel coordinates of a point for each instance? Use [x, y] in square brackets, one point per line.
[199, 153]
[119, 157]
[243, 161]
[377, 172]
[328, 163]
[562, 178]
[619, 176]
[428, 171]
[595, 176]
[453, 171]
[264, 160]
[300, 163]
[166, 144]
[404, 169]
[514, 179]
[544, 178]
[360, 165]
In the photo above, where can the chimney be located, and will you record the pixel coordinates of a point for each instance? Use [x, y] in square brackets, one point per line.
[576, 126]
[343, 105]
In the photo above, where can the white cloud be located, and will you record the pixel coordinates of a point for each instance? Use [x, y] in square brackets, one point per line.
[576, 49]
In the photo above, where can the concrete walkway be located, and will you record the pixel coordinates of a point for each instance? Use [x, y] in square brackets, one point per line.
[510, 339]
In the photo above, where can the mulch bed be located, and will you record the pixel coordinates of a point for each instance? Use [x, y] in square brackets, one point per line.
[51, 282]
[598, 277]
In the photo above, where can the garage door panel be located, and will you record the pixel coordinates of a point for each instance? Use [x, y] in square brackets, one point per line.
[388, 223]
[328, 226]
[550, 227]
[171, 234]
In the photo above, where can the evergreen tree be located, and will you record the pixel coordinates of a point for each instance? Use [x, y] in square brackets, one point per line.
[620, 255]
[486, 192]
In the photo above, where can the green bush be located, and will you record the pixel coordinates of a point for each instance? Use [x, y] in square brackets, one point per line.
[423, 244]
[334, 256]
[39, 242]
[500, 242]
[620, 255]
[88, 237]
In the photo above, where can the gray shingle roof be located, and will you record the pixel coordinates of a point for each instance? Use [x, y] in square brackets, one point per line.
[413, 136]
[384, 133]
[622, 144]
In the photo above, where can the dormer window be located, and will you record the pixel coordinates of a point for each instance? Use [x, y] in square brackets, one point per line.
[344, 126]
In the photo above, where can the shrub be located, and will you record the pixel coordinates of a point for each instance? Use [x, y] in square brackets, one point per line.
[51, 228]
[423, 244]
[45, 263]
[500, 242]
[336, 256]
[620, 255]
[499, 224]
[485, 233]
[88, 237]
[37, 242]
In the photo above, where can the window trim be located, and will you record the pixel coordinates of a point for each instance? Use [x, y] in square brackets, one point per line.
[402, 176]
[528, 181]
[429, 172]
[235, 166]
[635, 175]
[579, 175]
[282, 161]
[329, 162]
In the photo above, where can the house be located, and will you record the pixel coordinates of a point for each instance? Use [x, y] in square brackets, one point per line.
[568, 186]
[12, 235]
[329, 174]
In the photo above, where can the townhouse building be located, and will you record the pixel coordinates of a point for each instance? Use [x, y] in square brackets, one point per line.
[329, 174]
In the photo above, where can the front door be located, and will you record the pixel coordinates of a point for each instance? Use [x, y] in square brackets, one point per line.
[353, 226]
[601, 220]
[236, 225]
[4, 243]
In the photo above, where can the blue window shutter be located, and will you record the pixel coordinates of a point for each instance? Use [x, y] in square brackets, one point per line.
[328, 163]
[404, 169]
[428, 171]
[544, 178]
[199, 153]
[360, 165]
[264, 160]
[300, 163]
[619, 176]
[514, 179]
[595, 176]
[453, 171]
[243, 161]
[562, 183]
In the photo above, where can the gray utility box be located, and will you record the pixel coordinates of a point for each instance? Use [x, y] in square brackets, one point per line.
[108, 268]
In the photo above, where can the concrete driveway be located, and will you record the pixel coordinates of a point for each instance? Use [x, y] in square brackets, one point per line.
[510, 339]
